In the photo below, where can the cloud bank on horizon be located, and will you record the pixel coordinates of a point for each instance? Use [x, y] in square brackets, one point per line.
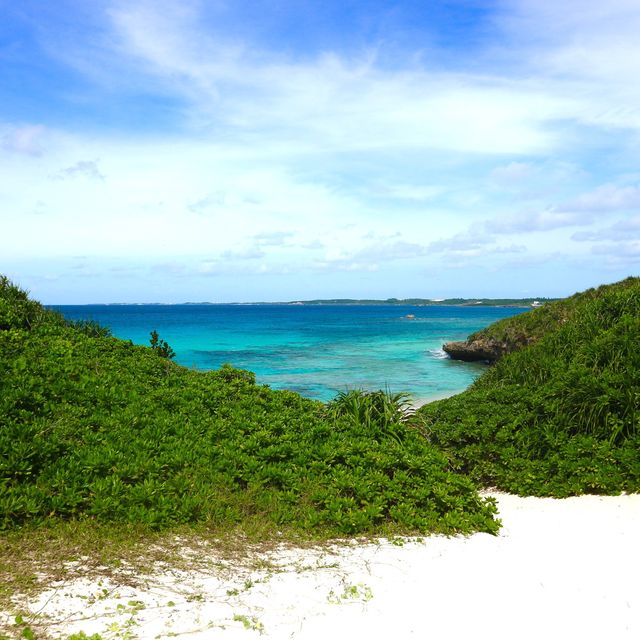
[173, 150]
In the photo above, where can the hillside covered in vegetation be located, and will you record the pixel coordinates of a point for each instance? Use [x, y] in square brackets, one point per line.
[93, 428]
[559, 413]
[513, 333]
[96, 429]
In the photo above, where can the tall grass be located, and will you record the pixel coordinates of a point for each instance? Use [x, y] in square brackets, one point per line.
[382, 414]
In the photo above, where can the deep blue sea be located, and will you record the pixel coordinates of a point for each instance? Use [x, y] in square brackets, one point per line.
[314, 350]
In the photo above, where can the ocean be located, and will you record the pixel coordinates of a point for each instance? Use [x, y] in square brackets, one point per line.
[315, 350]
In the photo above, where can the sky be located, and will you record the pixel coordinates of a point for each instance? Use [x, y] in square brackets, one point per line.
[229, 151]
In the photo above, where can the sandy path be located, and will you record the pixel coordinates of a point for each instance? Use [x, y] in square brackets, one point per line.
[559, 569]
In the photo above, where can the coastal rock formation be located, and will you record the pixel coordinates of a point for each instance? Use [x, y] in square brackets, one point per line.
[480, 349]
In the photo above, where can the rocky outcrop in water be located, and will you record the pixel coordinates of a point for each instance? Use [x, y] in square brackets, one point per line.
[477, 350]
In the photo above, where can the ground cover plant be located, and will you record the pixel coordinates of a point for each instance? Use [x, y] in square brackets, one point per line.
[96, 429]
[521, 330]
[560, 416]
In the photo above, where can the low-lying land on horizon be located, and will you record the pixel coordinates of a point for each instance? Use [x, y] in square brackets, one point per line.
[429, 302]
[416, 302]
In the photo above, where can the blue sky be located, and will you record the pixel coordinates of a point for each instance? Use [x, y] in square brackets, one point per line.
[278, 150]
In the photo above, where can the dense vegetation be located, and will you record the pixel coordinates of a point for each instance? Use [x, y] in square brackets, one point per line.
[560, 416]
[519, 331]
[95, 428]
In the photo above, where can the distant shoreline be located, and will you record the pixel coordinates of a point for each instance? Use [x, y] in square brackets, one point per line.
[521, 303]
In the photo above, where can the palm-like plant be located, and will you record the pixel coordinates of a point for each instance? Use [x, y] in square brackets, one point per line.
[381, 413]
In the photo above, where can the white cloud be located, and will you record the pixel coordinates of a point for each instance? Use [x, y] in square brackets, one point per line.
[538, 260]
[588, 48]
[619, 253]
[148, 209]
[471, 242]
[607, 197]
[628, 248]
[528, 222]
[331, 102]
[25, 139]
[583, 210]
[621, 230]
[513, 173]
[334, 102]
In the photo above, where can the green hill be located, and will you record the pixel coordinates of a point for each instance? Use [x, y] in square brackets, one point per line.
[559, 414]
[510, 334]
[95, 429]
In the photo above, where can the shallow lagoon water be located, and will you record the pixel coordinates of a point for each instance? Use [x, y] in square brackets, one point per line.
[314, 350]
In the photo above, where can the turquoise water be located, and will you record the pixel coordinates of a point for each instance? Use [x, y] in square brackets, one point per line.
[314, 350]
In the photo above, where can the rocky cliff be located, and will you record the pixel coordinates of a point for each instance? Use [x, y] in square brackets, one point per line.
[480, 349]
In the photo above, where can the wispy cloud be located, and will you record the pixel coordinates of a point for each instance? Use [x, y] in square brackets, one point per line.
[538, 221]
[204, 204]
[82, 168]
[513, 173]
[412, 192]
[468, 243]
[272, 238]
[619, 253]
[252, 253]
[621, 230]
[589, 47]
[607, 197]
[26, 139]
[331, 101]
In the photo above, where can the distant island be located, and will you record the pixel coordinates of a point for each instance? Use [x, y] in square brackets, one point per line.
[417, 302]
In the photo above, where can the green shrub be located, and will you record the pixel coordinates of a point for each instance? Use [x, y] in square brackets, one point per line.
[161, 347]
[560, 416]
[94, 428]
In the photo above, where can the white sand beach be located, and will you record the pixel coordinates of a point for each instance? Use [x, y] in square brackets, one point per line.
[559, 569]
